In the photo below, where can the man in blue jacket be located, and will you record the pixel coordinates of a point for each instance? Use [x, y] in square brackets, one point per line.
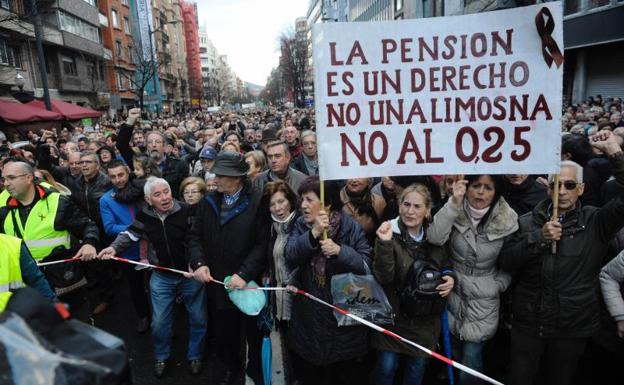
[118, 207]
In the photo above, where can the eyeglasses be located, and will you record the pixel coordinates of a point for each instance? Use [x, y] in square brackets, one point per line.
[309, 143]
[192, 192]
[155, 142]
[11, 178]
[568, 184]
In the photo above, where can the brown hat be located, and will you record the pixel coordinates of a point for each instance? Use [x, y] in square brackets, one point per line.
[229, 163]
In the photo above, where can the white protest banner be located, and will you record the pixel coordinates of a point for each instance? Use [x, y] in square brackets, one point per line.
[469, 94]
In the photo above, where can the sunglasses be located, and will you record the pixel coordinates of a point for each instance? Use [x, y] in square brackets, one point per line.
[568, 184]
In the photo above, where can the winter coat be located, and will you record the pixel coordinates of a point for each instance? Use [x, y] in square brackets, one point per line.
[235, 245]
[299, 164]
[526, 196]
[314, 333]
[392, 262]
[87, 196]
[556, 296]
[611, 276]
[280, 274]
[116, 217]
[174, 171]
[474, 303]
[165, 235]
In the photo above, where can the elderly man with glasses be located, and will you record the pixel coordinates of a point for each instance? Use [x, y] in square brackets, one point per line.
[556, 262]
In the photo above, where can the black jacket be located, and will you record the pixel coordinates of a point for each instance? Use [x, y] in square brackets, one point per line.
[558, 295]
[236, 245]
[174, 171]
[166, 237]
[525, 197]
[68, 216]
[314, 333]
[87, 195]
[299, 165]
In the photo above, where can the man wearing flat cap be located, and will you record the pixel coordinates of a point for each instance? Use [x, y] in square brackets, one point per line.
[229, 237]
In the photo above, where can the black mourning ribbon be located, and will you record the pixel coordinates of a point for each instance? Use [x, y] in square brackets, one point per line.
[550, 49]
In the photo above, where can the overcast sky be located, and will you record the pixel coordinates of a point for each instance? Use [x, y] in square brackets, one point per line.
[247, 32]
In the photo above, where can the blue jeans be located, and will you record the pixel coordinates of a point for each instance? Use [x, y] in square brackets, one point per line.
[387, 363]
[163, 288]
[471, 355]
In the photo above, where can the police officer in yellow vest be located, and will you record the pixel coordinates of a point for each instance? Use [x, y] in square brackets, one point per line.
[19, 269]
[43, 218]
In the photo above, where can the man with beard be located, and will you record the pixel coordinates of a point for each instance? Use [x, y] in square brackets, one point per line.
[118, 207]
[173, 170]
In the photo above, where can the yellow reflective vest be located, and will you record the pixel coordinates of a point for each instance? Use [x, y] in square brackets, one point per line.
[10, 271]
[38, 233]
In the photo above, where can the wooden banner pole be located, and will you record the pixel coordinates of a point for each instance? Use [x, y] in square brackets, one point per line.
[555, 209]
[322, 188]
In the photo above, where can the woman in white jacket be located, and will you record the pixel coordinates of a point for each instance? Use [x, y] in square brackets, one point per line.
[474, 222]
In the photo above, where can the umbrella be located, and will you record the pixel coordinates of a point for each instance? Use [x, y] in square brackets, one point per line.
[446, 340]
[265, 323]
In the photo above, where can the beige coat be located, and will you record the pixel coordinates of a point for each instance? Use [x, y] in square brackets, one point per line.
[475, 301]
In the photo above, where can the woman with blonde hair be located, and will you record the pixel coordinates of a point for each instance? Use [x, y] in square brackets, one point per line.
[192, 190]
[45, 176]
[230, 146]
[257, 163]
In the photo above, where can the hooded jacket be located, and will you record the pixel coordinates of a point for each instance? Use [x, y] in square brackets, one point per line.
[474, 303]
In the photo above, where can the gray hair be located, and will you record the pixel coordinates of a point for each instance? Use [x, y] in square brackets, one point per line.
[26, 167]
[91, 154]
[152, 182]
[577, 167]
[307, 133]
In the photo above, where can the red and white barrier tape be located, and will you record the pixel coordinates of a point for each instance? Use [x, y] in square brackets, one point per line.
[293, 290]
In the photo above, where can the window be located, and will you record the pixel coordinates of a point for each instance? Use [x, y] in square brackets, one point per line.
[91, 2]
[120, 81]
[597, 3]
[78, 27]
[9, 54]
[130, 54]
[115, 18]
[101, 70]
[127, 25]
[118, 49]
[69, 65]
[6, 4]
[91, 74]
[125, 2]
[398, 5]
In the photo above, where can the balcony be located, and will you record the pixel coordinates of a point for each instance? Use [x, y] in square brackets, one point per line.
[103, 20]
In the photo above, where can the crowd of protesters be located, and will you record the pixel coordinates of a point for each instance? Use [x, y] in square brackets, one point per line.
[237, 194]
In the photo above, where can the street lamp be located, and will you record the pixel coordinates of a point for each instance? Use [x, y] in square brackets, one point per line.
[19, 81]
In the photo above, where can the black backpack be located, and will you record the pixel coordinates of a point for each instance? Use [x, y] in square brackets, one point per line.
[419, 296]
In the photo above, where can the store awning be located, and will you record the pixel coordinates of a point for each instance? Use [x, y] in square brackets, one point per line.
[68, 110]
[13, 112]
